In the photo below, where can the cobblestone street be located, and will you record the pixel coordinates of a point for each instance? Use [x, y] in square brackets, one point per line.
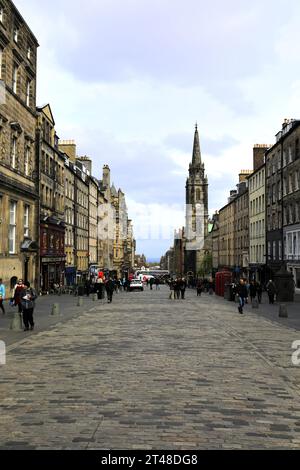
[147, 372]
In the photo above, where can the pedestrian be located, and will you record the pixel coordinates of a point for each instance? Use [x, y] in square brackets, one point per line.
[157, 284]
[2, 296]
[177, 289]
[17, 294]
[199, 288]
[172, 291]
[243, 295]
[183, 286]
[151, 283]
[271, 289]
[110, 287]
[253, 290]
[259, 292]
[28, 298]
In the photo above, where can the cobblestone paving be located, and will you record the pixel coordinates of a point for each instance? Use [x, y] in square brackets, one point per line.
[147, 372]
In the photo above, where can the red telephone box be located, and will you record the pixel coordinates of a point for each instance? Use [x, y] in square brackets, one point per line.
[222, 278]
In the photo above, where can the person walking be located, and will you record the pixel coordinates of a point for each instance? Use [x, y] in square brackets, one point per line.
[28, 298]
[271, 289]
[2, 296]
[259, 292]
[183, 286]
[157, 284]
[172, 290]
[243, 295]
[253, 290]
[177, 289]
[199, 288]
[110, 287]
[17, 295]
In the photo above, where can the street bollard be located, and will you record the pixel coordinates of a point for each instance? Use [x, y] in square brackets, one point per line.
[55, 310]
[255, 303]
[16, 323]
[283, 313]
[95, 297]
[80, 302]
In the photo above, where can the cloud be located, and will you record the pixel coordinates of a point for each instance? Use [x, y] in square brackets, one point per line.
[128, 79]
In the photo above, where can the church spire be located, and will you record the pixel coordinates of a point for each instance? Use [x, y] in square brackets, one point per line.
[196, 151]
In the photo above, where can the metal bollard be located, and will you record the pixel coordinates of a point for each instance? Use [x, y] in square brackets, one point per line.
[283, 313]
[16, 323]
[55, 310]
[255, 303]
[80, 302]
[95, 297]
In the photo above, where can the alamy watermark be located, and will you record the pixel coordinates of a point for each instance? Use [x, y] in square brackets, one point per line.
[2, 353]
[154, 222]
[296, 353]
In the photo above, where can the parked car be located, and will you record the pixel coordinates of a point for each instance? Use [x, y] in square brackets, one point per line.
[136, 284]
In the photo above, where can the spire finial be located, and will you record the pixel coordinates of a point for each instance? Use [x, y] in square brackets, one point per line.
[196, 126]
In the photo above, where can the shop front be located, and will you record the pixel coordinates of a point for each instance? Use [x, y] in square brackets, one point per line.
[53, 258]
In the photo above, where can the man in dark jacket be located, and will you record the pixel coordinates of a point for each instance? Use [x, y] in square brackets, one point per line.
[110, 287]
[243, 295]
[253, 290]
[271, 289]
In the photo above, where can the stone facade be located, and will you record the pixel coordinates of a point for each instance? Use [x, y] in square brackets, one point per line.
[52, 202]
[282, 199]
[196, 212]
[257, 216]
[19, 237]
[291, 202]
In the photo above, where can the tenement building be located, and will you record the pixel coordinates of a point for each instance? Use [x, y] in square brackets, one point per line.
[241, 226]
[196, 212]
[282, 199]
[257, 211]
[52, 202]
[70, 268]
[291, 201]
[19, 216]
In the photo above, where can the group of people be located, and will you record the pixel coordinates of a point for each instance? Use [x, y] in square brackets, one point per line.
[23, 296]
[177, 288]
[254, 290]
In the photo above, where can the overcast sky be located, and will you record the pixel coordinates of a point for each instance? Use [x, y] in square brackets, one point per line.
[128, 79]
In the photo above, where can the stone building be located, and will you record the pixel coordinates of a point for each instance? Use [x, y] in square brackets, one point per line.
[80, 224]
[257, 215]
[241, 230]
[52, 201]
[131, 246]
[196, 211]
[105, 222]
[93, 212]
[291, 199]
[121, 227]
[179, 253]
[282, 199]
[70, 267]
[226, 235]
[231, 234]
[19, 208]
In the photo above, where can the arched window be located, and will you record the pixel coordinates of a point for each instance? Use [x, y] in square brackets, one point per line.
[198, 195]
